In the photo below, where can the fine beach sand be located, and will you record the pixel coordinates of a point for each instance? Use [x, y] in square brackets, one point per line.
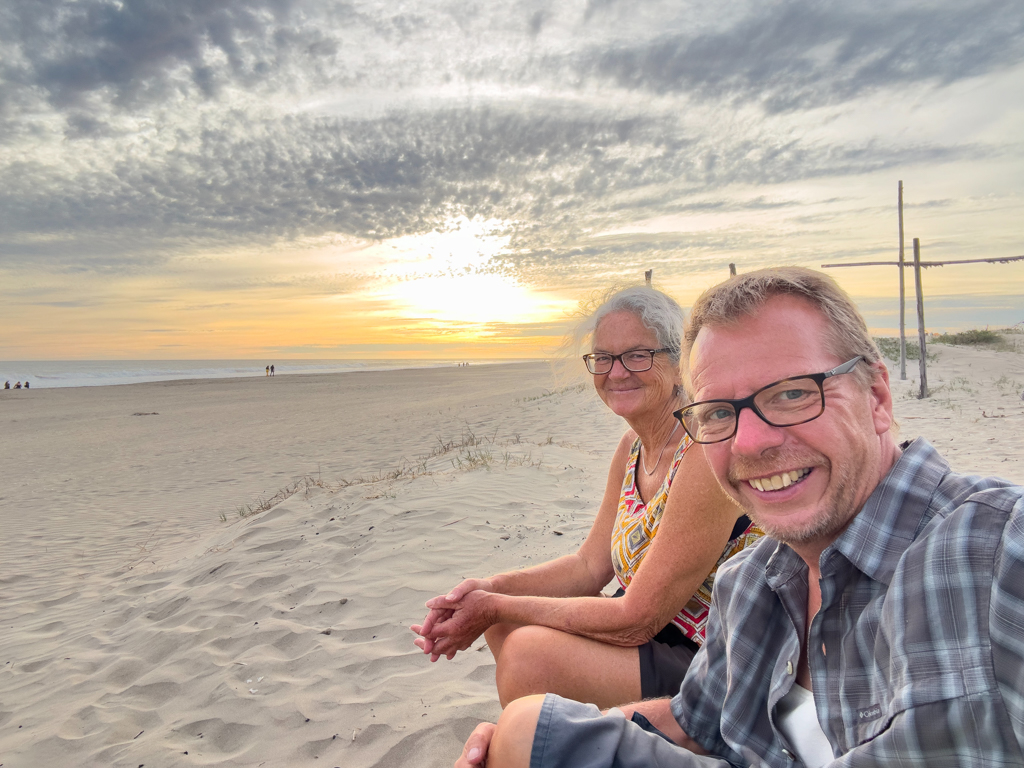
[143, 621]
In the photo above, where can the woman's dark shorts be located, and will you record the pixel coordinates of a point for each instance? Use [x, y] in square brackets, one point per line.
[664, 660]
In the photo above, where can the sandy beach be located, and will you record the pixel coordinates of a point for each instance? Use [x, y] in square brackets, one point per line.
[223, 572]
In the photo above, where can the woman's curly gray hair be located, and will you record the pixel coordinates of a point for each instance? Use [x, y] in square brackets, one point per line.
[659, 312]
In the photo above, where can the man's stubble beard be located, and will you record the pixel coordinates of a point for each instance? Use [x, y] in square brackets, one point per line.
[837, 508]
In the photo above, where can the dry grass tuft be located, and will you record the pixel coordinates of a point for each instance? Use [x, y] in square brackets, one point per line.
[470, 452]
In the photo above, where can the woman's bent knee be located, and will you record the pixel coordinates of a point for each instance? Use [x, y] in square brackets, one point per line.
[531, 641]
[543, 660]
[495, 635]
[529, 663]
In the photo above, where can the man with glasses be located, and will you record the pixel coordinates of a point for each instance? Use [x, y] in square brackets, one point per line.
[883, 621]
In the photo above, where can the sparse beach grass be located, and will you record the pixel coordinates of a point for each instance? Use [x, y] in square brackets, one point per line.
[568, 389]
[889, 346]
[470, 452]
[975, 336]
[1002, 340]
[1007, 385]
[263, 503]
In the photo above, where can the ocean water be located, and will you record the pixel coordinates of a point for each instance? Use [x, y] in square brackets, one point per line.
[98, 373]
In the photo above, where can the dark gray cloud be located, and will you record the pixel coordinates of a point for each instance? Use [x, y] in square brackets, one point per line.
[81, 126]
[137, 129]
[806, 53]
[785, 55]
[555, 173]
[134, 50]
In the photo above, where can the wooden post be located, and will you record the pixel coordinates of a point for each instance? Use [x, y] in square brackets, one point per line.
[920, 319]
[903, 303]
[732, 270]
[647, 276]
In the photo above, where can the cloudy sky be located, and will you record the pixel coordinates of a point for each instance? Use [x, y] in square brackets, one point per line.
[432, 178]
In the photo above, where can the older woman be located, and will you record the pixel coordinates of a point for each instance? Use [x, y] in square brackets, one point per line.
[663, 528]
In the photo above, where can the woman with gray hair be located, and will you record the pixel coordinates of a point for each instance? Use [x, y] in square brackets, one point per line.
[663, 528]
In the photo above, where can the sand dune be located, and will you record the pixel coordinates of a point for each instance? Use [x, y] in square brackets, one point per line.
[975, 414]
[139, 628]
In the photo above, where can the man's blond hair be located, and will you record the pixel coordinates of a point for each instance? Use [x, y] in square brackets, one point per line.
[743, 295]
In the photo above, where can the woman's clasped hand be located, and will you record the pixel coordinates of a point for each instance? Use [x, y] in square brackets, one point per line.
[454, 621]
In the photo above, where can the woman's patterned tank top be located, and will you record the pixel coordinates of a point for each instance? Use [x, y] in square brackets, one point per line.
[637, 523]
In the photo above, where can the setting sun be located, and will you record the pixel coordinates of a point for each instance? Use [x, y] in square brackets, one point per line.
[473, 299]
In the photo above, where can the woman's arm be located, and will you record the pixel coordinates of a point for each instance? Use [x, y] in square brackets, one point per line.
[582, 573]
[694, 530]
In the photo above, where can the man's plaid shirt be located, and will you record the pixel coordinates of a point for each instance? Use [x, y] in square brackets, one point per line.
[917, 653]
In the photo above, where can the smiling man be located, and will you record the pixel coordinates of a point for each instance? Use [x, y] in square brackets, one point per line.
[883, 621]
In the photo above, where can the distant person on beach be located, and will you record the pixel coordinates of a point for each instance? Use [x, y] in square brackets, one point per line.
[26, 385]
[7, 385]
[271, 370]
[662, 530]
[878, 623]
[268, 370]
[18, 385]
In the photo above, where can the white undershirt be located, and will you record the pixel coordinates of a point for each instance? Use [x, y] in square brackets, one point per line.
[798, 721]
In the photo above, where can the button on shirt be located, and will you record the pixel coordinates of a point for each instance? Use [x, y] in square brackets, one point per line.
[922, 616]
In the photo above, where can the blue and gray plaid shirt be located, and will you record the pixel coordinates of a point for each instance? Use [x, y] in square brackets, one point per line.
[917, 653]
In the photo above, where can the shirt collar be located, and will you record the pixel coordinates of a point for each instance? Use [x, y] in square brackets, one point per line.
[889, 521]
[893, 515]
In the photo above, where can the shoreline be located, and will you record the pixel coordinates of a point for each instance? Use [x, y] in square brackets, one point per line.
[91, 373]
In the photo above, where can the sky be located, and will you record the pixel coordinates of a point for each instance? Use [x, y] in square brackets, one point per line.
[188, 179]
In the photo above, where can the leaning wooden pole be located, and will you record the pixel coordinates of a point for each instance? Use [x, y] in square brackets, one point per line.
[903, 303]
[920, 319]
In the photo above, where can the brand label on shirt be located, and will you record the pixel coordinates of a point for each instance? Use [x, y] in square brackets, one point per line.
[868, 714]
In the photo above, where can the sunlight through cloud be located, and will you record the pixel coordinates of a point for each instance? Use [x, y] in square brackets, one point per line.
[448, 275]
[461, 246]
[473, 298]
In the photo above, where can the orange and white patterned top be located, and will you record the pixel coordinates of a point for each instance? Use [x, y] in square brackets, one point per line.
[636, 525]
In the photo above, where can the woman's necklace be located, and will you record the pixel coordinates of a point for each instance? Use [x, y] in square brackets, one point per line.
[643, 461]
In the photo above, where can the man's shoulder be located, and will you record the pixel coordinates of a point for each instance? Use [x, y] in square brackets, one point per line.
[747, 567]
[923, 498]
[957, 490]
[968, 556]
[982, 500]
[974, 518]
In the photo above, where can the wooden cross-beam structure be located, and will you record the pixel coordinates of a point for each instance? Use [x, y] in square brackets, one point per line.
[918, 265]
[926, 264]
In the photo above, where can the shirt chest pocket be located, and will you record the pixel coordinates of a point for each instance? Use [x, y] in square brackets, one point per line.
[916, 680]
